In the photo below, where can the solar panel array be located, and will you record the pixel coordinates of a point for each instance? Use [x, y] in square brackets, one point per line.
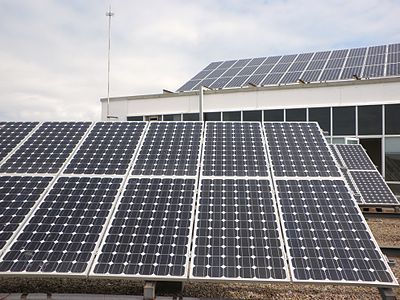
[326, 236]
[366, 62]
[237, 234]
[362, 176]
[150, 232]
[167, 201]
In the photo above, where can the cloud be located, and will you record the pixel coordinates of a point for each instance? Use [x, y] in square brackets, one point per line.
[53, 54]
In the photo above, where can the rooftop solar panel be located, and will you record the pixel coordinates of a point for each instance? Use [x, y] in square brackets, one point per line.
[334, 65]
[355, 157]
[18, 195]
[299, 149]
[327, 238]
[11, 134]
[47, 149]
[234, 149]
[170, 148]
[62, 234]
[150, 233]
[237, 235]
[108, 149]
[373, 188]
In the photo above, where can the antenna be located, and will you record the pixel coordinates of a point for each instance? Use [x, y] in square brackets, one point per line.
[109, 14]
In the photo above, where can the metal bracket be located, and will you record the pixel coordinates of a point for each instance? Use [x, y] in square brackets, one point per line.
[149, 290]
[387, 293]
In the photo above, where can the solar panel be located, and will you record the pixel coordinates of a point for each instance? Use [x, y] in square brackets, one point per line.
[150, 233]
[18, 195]
[299, 149]
[353, 187]
[170, 148]
[336, 155]
[108, 149]
[47, 149]
[331, 66]
[327, 238]
[237, 235]
[11, 134]
[62, 234]
[373, 187]
[234, 149]
[355, 157]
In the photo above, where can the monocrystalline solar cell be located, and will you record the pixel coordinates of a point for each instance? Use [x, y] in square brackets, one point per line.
[357, 52]
[339, 53]
[298, 66]
[288, 58]
[373, 71]
[264, 69]
[18, 195]
[234, 149]
[355, 157]
[237, 235]
[11, 134]
[373, 187]
[47, 149]
[291, 77]
[321, 55]
[393, 69]
[394, 48]
[299, 149]
[108, 149]
[375, 60]
[170, 148]
[63, 232]
[393, 57]
[354, 61]
[335, 63]
[336, 155]
[311, 76]
[280, 67]
[150, 233]
[316, 65]
[256, 79]
[330, 74]
[348, 73]
[272, 78]
[353, 187]
[377, 50]
[327, 238]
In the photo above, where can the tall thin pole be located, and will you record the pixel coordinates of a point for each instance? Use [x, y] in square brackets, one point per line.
[109, 14]
[201, 100]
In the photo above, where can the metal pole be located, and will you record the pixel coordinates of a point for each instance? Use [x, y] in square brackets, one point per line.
[201, 103]
[109, 14]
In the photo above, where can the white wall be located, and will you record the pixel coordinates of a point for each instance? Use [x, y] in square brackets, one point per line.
[313, 95]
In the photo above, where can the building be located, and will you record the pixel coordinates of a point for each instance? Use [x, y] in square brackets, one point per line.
[351, 93]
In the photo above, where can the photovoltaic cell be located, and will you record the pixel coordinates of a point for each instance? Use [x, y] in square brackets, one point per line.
[18, 194]
[151, 231]
[47, 149]
[326, 235]
[62, 234]
[299, 149]
[373, 187]
[234, 149]
[237, 233]
[170, 148]
[11, 134]
[108, 149]
[355, 157]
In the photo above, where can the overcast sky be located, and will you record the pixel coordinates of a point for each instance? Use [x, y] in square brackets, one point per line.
[53, 54]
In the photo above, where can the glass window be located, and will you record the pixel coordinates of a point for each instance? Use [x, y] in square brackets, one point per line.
[344, 120]
[296, 114]
[231, 116]
[252, 115]
[337, 140]
[322, 115]
[273, 115]
[172, 117]
[370, 119]
[136, 118]
[212, 116]
[190, 117]
[392, 159]
[392, 124]
[395, 187]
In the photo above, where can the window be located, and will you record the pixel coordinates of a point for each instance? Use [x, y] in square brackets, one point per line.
[296, 114]
[172, 117]
[392, 159]
[152, 118]
[135, 118]
[395, 187]
[337, 140]
[322, 115]
[392, 124]
[344, 120]
[370, 119]
[190, 117]
[273, 115]
[212, 116]
[252, 115]
[232, 116]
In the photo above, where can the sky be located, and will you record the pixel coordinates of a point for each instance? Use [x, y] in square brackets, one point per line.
[53, 54]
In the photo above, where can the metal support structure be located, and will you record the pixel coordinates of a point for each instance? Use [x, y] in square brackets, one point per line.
[149, 290]
[387, 293]
[109, 14]
[201, 100]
